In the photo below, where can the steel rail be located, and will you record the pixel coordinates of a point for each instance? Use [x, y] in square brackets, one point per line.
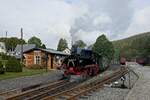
[52, 91]
[96, 86]
[35, 91]
[19, 90]
[75, 92]
[11, 92]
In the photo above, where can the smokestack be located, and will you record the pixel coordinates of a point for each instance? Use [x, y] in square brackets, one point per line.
[71, 41]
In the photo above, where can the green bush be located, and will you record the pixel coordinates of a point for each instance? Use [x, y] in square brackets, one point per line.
[4, 56]
[13, 65]
[2, 70]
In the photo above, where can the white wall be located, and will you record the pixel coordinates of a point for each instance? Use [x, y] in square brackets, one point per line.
[2, 47]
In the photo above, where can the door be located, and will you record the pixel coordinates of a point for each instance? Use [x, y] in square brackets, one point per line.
[52, 61]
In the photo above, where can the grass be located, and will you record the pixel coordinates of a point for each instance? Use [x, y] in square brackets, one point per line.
[25, 72]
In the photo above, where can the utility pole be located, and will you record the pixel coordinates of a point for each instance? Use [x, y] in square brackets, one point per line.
[6, 34]
[21, 45]
[5, 41]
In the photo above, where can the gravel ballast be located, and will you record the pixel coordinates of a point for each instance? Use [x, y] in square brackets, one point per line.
[107, 94]
[22, 82]
[115, 92]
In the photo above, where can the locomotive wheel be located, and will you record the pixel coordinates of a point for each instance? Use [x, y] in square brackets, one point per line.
[85, 74]
[90, 72]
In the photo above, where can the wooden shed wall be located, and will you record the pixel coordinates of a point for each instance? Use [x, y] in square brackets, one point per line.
[29, 60]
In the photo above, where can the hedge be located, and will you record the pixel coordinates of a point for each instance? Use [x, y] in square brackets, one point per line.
[4, 56]
[12, 65]
[2, 70]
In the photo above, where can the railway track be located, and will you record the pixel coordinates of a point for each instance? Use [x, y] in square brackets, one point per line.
[31, 93]
[19, 90]
[64, 89]
[11, 92]
[74, 93]
[53, 91]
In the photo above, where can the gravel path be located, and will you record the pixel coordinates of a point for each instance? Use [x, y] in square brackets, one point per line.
[23, 82]
[141, 90]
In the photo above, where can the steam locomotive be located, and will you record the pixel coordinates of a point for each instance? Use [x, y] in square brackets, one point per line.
[82, 63]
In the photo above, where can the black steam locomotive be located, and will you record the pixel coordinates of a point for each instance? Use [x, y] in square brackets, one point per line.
[82, 63]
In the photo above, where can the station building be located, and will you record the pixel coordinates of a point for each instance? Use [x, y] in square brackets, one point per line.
[43, 57]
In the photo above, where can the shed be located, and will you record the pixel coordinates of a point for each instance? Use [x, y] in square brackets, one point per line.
[43, 57]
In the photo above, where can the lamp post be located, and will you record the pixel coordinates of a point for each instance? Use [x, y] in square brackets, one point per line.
[21, 45]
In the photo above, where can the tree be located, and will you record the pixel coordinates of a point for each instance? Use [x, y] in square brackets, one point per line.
[104, 50]
[117, 55]
[36, 41]
[103, 47]
[80, 44]
[145, 49]
[62, 45]
[43, 46]
[12, 42]
[134, 47]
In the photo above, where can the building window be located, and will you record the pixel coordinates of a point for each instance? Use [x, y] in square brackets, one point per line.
[37, 57]
[37, 60]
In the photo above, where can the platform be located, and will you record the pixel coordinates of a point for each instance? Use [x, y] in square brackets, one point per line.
[141, 89]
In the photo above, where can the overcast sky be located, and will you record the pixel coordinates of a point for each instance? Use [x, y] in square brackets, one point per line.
[51, 20]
